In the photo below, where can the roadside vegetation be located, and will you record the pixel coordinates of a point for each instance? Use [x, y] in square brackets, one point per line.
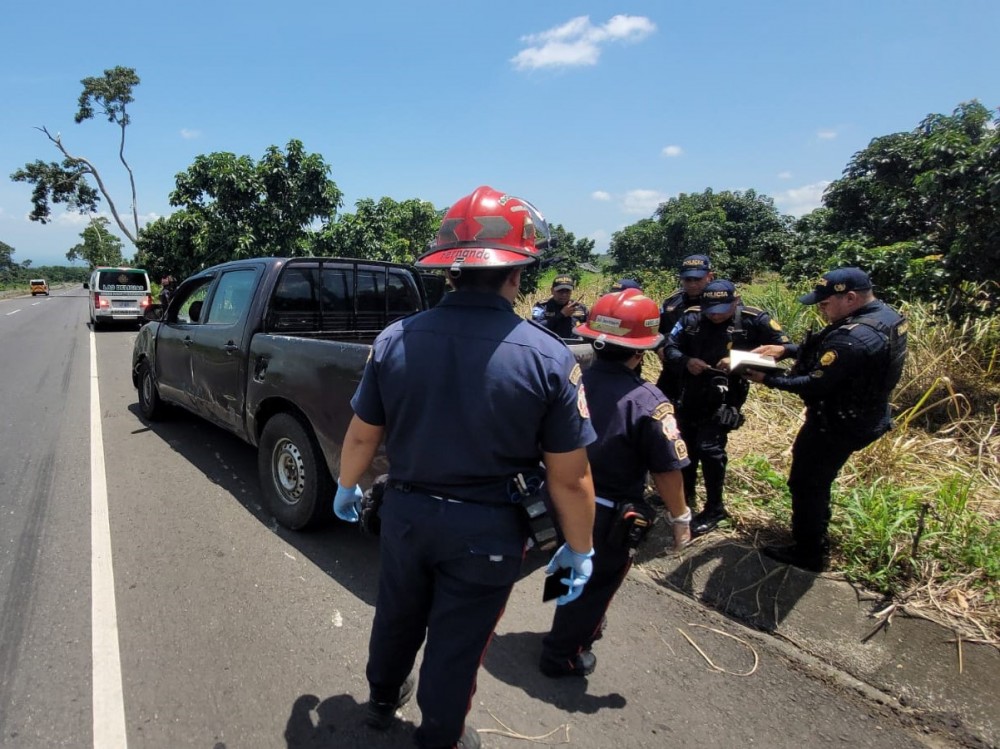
[916, 516]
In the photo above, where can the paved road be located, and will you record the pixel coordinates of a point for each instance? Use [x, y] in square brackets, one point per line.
[235, 634]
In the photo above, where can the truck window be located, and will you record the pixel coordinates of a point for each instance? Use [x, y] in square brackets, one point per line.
[337, 300]
[122, 280]
[370, 300]
[295, 306]
[194, 298]
[232, 297]
[402, 297]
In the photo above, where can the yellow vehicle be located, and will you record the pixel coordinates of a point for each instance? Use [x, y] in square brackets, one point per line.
[39, 286]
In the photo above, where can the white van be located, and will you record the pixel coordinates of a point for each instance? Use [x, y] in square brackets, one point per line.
[118, 294]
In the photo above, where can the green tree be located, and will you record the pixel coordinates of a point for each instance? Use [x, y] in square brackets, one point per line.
[386, 230]
[925, 205]
[99, 246]
[66, 182]
[741, 231]
[566, 254]
[233, 207]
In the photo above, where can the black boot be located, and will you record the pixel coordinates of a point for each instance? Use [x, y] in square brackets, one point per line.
[812, 557]
[582, 664]
[708, 519]
[381, 714]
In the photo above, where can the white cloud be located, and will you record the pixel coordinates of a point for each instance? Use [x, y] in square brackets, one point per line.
[578, 42]
[600, 195]
[642, 202]
[671, 151]
[784, 175]
[189, 133]
[801, 200]
[826, 134]
[72, 218]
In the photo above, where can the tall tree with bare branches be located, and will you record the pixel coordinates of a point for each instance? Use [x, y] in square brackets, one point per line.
[67, 182]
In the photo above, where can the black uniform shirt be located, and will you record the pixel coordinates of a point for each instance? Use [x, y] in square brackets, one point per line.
[470, 395]
[549, 314]
[696, 336]
[636, 431]
[845, 370]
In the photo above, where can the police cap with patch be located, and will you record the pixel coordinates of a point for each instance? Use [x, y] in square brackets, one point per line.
[695, 266]
[837, 281]
[625, 283]
[562, 282]
[717, 297]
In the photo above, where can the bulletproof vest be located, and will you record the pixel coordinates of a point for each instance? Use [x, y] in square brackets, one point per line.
[894, 333]
[706, 393]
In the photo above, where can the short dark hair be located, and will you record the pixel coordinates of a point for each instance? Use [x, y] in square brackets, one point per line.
[613, 353]
[482, 279]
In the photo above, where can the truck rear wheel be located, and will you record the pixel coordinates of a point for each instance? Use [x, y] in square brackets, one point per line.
[150, 405]
[294, 480]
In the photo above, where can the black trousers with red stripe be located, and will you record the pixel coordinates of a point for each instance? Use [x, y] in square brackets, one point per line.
[447, 569]
[577, 624]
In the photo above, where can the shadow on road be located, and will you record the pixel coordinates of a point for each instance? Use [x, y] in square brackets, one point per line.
[338, 721]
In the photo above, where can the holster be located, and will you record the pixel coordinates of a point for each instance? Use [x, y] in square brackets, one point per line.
[633, 522]
[369, 520]
[729, 417]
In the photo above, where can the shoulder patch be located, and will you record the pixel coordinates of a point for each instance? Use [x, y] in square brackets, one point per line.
[575, 375]
[662, 411]
[581, 403]
[775, 324]
[670, 429]
[828, 358]
[681, 448]
[816, 374]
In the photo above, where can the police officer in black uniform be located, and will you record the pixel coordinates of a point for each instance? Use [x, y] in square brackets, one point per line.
[560, 313]
[636, 433]
[708, 408]
[695, 274]
[845, 376]
[468, 397]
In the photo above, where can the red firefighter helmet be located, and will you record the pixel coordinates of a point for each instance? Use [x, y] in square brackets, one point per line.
[625, 318]
[487, 229]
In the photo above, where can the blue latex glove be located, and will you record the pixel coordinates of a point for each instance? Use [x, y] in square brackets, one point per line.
[580, 568]
[347, 502]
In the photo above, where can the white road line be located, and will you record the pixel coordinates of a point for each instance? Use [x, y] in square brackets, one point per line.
[13, 313]
[35, 304]
[109, 703]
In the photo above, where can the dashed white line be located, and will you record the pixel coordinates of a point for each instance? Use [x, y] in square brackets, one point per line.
[108, 703]
[13, 313]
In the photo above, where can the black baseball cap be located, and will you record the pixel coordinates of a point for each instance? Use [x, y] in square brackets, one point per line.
[562, 282]
[695, 266]
[837, 282]
[717, 297]
[625, 283]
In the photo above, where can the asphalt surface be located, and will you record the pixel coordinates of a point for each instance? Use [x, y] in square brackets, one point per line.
[235, 633]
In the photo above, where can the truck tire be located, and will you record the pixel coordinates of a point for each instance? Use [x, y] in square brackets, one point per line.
[294, 481]
[150, 405]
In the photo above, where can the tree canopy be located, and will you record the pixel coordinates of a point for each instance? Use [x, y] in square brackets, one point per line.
[99, 246]
[386, 230]
[741, 231]
[233, 207]
[66, 182]
[921, 209]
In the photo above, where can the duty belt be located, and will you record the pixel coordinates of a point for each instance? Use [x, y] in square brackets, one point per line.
[407, 488]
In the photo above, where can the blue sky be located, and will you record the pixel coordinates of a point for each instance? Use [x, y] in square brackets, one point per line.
[595, 111]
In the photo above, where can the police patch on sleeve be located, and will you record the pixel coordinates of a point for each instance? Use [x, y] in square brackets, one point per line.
[663, 410]
[581, 403]
[670, 430]
[681, 448]
[575, 374]
[828, 358]
[775, 324]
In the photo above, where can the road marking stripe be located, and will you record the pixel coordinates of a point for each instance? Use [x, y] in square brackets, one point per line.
[13, 313]
[109, 703]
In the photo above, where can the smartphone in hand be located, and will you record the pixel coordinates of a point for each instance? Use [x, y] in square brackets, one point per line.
[554, 586]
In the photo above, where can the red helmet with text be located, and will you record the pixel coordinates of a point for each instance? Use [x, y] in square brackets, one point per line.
[625, 318]
[487, 229]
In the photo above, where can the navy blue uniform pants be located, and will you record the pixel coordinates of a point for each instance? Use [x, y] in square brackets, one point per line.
[577, 624]
[817, 457]
[447, 569]
[706, 443]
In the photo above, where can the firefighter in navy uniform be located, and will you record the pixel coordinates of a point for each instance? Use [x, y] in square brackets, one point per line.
[708, 408]
[845, 375]
[470, 398]
[636, 433]
[695, 274]
[560, 313]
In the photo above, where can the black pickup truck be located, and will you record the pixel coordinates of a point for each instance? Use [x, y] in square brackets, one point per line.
[272, 349]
